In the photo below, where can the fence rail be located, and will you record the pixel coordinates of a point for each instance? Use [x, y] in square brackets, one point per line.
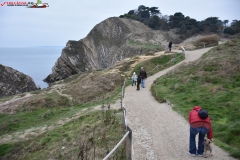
[128, 135]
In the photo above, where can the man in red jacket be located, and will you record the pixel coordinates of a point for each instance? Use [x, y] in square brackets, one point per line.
[201, 126]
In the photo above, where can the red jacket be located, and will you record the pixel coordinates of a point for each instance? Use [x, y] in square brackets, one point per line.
[193, 118]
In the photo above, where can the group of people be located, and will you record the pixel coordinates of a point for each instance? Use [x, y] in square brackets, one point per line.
[139, 79]
[198, 118]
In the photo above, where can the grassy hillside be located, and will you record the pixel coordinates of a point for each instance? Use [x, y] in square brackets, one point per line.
[90, 136]
[61, 119]
[212, 82]
[63, 115]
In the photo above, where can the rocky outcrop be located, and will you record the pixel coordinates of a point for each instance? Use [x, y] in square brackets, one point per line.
[107, 43]
[14, 82]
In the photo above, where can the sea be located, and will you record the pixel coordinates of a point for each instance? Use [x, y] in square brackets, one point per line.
[36, 62]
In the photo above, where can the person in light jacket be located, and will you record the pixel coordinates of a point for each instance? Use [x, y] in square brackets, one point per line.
[134, 78]
[200, 124]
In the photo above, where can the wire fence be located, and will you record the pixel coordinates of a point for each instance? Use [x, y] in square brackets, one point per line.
[128, 134]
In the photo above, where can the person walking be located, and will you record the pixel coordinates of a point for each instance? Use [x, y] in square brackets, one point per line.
[170, 46]
[143, 76]
[138, 82]
[200, 123]
[134, 78]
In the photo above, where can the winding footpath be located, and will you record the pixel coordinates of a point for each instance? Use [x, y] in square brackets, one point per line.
[159, 133]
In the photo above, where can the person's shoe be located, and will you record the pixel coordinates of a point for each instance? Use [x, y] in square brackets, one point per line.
[200, 155]
[191, 154]
[143, 87]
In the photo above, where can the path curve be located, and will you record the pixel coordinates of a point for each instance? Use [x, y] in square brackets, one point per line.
[159, 133]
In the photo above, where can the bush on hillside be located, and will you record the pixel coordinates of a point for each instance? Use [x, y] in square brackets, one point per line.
[207, 41]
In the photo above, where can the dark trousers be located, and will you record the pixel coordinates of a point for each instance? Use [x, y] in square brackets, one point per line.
[134, 82]
[201, 131]
[138, 84]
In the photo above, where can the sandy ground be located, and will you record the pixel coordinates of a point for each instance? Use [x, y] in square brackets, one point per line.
[159, 133]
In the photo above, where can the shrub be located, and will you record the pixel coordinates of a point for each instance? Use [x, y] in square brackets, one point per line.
[207, 41]
[229, 30]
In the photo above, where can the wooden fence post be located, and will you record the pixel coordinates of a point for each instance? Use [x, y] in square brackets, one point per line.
[129, 145]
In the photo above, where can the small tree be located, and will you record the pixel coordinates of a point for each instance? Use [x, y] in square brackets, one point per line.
[225, 22]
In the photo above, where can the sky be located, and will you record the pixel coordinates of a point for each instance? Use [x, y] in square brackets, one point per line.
[73, 19]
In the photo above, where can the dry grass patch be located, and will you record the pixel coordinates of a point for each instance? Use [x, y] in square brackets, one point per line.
[207, 41]
[94, 86]
[48, 100]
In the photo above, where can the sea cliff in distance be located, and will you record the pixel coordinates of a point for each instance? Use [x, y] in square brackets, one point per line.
[14, 82]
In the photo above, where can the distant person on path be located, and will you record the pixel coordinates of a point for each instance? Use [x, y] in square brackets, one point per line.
[143, 76]
[134, 78]
[170, 46]
[138, 82]
[200, 123]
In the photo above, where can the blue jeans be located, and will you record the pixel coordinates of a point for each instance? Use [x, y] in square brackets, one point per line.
[201, 131]
[143, 83]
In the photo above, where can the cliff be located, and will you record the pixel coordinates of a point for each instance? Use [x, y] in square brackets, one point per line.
[107, 43]
[14, 82]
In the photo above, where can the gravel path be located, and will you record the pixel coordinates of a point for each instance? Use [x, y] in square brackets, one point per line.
[159, 133]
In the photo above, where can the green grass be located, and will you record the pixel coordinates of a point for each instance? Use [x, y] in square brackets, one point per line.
[44, 115]
[100, 130]
[212, 83]
[5, 148]
[10, 123]
[161, 61]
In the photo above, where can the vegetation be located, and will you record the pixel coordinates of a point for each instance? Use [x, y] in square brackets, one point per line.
[46, 116]
[213, 82]
[207, 41]
[91, 136]
[161, 63]
[184, 25]
[234, 28]
[93, 87]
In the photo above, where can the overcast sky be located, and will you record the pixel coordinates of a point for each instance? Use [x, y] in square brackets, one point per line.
[67, 20]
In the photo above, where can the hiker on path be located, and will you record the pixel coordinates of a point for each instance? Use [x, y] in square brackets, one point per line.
[170, 46]
[134, 78]
[200, 123]
[138, 82]
[143, 76]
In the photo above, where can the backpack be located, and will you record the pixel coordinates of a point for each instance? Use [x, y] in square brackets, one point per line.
[203, 114]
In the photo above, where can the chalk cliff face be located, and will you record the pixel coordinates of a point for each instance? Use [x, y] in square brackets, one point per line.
[107, 43]
[14, 82]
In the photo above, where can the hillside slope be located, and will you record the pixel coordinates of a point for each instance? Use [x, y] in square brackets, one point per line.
[107, 43]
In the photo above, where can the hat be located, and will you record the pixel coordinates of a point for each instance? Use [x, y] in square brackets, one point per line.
[203, 114]
[134, 73]
[141, 67]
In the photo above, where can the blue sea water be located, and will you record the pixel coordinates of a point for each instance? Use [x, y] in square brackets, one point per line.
[36, 62]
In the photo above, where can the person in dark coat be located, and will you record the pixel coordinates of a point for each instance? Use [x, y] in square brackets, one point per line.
[138, 82]
[143, 76]
[170, 46]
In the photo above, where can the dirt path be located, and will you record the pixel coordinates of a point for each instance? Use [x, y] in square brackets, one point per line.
[158, 131]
